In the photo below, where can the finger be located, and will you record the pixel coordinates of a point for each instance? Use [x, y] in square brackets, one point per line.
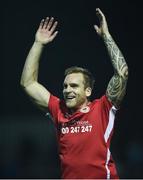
[54, 35]
[100, 14]
[54, 26]
[46, 22]
[98, 11]
[50, 23]
[41, 24]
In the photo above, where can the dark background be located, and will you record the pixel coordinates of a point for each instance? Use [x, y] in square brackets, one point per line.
[28, 146]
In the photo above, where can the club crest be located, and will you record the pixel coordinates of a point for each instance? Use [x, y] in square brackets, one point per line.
[85, 109]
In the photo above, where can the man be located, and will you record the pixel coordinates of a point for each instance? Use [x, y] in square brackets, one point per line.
[84, 128]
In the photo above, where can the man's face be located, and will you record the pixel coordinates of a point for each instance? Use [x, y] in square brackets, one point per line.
[74, 91]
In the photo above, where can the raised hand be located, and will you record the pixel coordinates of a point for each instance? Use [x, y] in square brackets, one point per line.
[103, 27]
[46, 31]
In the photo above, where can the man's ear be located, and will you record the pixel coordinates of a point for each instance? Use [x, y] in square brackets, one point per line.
[88, 91]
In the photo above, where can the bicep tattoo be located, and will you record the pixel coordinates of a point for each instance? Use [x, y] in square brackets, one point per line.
[116, 89]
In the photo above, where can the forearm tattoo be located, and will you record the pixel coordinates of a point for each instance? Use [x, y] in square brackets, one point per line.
[117, 85]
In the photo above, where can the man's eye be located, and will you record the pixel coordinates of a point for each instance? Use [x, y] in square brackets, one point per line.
[74, 85]
[64, 86]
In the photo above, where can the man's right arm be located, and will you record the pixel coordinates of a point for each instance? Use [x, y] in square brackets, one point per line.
[29, 79]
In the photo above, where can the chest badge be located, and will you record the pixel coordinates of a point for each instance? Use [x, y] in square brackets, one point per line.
[85, 109]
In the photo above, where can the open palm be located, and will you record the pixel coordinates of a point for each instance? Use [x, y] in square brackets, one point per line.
[46, 31]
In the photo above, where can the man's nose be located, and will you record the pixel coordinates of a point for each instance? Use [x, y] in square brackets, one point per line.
[68, 89]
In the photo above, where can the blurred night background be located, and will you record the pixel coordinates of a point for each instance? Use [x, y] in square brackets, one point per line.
[28, 147]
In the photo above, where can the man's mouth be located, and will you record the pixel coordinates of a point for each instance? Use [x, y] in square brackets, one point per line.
[70, 97]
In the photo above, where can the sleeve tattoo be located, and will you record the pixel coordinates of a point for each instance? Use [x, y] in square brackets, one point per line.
[117, 85]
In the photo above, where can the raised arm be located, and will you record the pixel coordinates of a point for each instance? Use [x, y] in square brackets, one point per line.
[117, 86]
[29, 79]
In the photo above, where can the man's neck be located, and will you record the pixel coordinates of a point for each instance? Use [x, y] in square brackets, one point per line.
[73, 110]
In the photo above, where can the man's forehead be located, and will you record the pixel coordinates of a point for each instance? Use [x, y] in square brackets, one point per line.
[74, 78]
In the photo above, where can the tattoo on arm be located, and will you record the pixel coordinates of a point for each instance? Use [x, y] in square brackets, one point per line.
[116, 89]
[117, 85]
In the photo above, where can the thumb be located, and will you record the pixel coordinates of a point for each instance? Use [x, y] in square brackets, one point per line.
[53, 36]
[96, 28]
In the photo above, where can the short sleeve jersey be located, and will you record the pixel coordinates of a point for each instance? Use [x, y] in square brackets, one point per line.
[84, 139]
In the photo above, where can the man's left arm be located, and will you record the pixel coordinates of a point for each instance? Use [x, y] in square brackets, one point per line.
[117, 85]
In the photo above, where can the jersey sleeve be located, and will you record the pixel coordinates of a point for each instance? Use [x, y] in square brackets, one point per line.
[53, 107]
[107, 105]
[108, 117]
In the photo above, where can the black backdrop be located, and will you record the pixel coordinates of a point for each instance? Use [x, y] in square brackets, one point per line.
[28, 146]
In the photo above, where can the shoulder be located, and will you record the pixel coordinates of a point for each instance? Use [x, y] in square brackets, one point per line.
[103, 102]
[56, 103]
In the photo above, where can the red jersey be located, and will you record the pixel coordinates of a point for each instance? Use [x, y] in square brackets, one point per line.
[84, 139]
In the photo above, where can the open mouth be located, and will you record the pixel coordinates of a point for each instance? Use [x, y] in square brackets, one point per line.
[70, 97]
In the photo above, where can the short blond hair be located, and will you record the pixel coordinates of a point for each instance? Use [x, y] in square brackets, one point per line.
[88, 77]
